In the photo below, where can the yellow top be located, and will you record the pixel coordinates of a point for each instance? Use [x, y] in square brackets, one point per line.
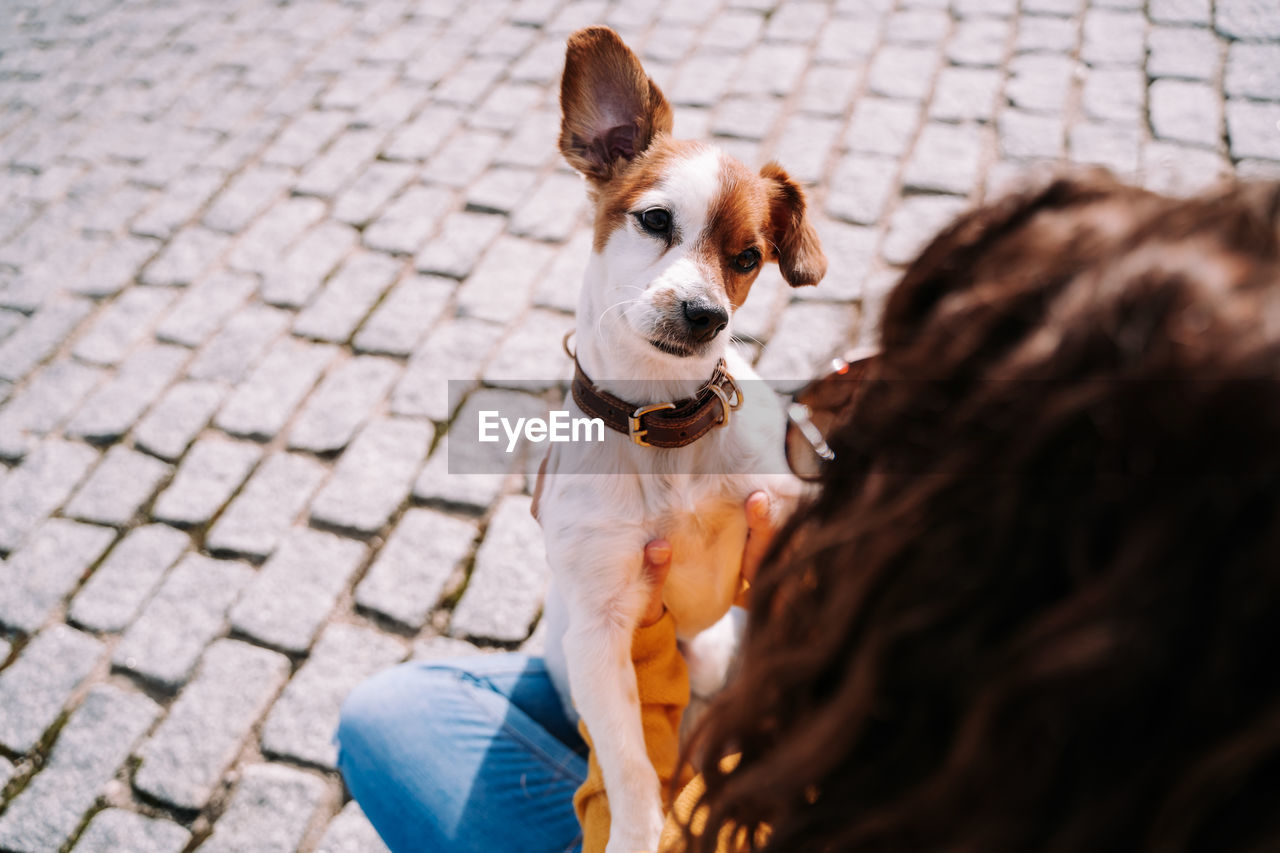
[663, 682]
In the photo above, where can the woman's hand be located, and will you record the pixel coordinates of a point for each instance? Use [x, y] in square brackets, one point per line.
[760, 533]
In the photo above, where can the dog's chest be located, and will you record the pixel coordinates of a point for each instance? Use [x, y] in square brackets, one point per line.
[706, 539]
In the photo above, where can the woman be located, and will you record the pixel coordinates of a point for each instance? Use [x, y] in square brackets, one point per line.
[1035, 603]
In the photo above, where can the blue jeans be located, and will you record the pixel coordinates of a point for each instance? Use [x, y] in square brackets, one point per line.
[472, 754]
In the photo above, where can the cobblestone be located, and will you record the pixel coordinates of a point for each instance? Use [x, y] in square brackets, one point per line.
[267, 505]
[37, 487]
[374, 475]
[210, 473]
[946, 159]
[116, 829]
[351, 832]
[505, 589]
[1253, 71]
[204, 308]
[1185, 112]
[882, 127]
[51, 396]
[260, 406]
[341, 403]
[36, 686]
[185, 614]
[293, 593]
[40, 336]
[117, 589]
[413, 569]
[269, 811]
[192, 251]
[95, 742]
[194, 745]
[116, 406]
[301, 725]
[1251, 129]
[229, 355]
[123, 481]
[433, 381]
[1186, 52]
[463, 238]
[404, 316]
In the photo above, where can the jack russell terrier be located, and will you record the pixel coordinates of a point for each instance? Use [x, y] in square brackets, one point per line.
[681, 231]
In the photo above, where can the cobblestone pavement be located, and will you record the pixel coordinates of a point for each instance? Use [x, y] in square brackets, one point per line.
[244, 244]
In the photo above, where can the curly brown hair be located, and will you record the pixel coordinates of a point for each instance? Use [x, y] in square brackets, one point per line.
[1036, 603]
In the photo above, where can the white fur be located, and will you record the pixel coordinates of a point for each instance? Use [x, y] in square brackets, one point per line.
[602, 502]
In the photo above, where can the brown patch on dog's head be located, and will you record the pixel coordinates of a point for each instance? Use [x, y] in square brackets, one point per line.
[739, 223]
[610, 110]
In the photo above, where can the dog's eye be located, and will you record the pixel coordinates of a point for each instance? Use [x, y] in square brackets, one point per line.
[747, 260]
[655, 220]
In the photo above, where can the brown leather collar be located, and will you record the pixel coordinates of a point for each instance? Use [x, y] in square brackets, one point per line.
[676, 424]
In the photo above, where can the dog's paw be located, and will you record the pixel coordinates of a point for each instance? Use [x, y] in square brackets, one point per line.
[711, 654]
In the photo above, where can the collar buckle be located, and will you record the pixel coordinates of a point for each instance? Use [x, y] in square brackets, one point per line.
[633, 423]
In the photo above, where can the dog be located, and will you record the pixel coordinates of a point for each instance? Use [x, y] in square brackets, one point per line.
[681, 231]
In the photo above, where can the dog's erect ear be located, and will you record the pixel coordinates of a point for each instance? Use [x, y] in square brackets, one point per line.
[800, 254]
[609, 108]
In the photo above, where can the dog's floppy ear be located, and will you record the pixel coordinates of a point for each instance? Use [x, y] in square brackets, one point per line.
[610, 110]
[800, 254]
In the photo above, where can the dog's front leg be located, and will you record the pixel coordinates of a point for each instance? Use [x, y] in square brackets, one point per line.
[603, 680]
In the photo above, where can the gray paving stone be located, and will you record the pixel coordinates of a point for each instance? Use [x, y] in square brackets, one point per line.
[808, 334]
[210, 474]
[342, 403]
[1180, 11]
[117, 589]
[1113, 38]
[1110, 145]
[305, 136]
[269, 811]
[185, 614]
[983, 8]
[846, 41]
[300, 726]
[230, 353]
[463, 238]
[424, 552]
[746, 117]
[437, 648]
[37, 487]
[882, 127]
[37, 685]
[267, 506]
[559, 286]
[1040, 82]
[301, 272]
[979, 42]
[1251, 129]
[178, 204]
[112, 270]
[204, 307]
[1186, 112]
[113, 830]
[506, 106]
[462, 159]
[43, 404]
[453, 354]
[374, 475]
[260, 406]
[188, 254]
[40, 336]
[507, 584]
[532, 356]
[360, 203]
[903, 72]
[828, 90]
[438, 485]
[422, 137]
[799, 22]
[7, 770]
[351, 832]
[913, 224]
[345, 158]
[186, 757]
[94, 744]
[946, 159]
[965, 94]
[552, 211]
[498, 289]
[1046, 33]
[1186, 52]
[405, 315]
[115, 407]
[500, 189]
[1179, 169]
[123, 481]
[247, 196]
[806, 145]
[467, 85]
[259, 248]
[293, 593]
[1253, 71]
[1114, 94]
[1029, 136]
[409, 220]
[1247, 19]
[348, 297]
[855, 246]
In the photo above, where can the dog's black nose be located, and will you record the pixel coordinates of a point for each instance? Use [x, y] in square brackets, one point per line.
[705, 320]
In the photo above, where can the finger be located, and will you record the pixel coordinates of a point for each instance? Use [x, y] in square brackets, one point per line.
[760, 533]
[657, 564]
